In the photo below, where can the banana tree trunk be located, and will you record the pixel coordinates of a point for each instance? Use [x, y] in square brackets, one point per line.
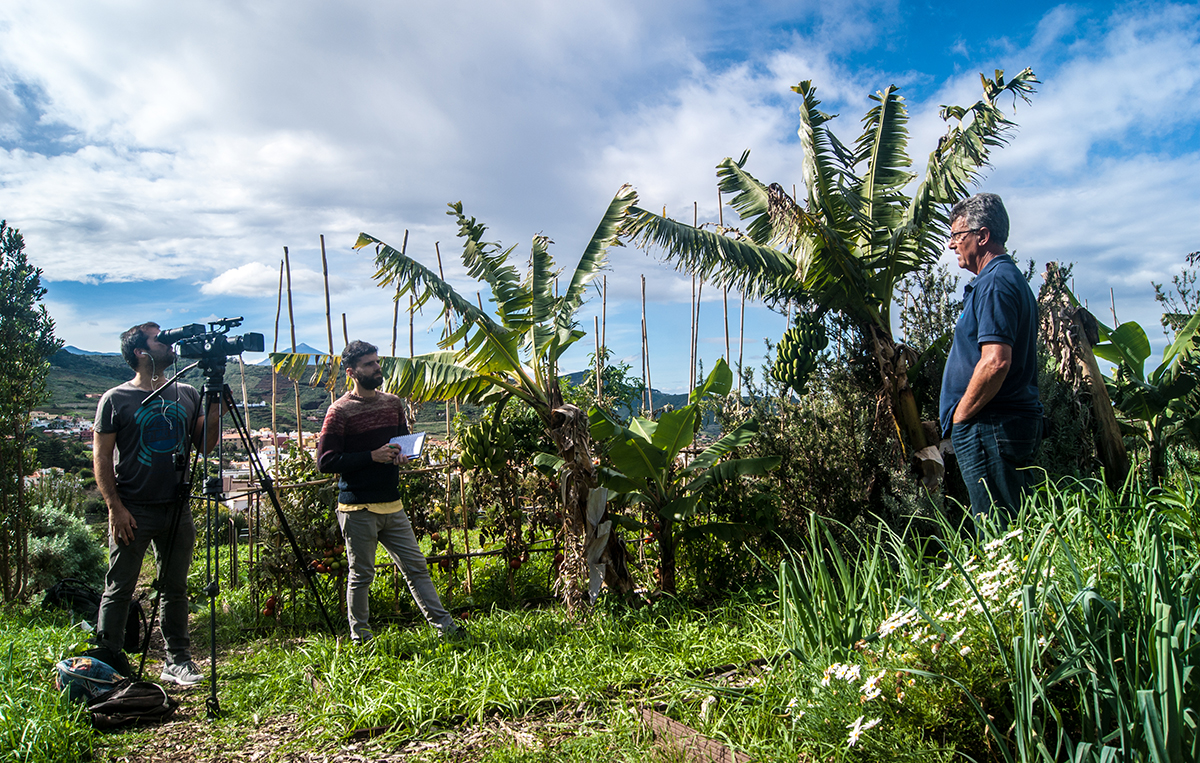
[569, 430]
[893, 363]
[1110, 444]
[1158, 455]
[666, 554]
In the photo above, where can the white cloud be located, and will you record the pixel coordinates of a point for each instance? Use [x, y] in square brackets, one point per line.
[216, 133]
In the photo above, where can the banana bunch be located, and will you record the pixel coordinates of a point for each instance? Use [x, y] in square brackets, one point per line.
[797, 351]
[485, 447]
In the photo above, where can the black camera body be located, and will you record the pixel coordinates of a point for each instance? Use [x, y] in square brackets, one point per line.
[197, 343]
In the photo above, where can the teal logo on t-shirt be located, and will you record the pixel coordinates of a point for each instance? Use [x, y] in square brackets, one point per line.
[162, 426]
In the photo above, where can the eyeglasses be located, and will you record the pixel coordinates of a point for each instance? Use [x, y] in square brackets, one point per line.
[956, 236]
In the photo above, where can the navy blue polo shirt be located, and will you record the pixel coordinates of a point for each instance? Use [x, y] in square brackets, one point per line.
[998, 306]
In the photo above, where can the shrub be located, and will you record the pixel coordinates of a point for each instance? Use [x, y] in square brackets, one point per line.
[62, 546]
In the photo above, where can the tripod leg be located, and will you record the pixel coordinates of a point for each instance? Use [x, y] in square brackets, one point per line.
[264, 479]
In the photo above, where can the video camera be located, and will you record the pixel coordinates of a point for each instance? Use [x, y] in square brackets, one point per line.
[195, 342]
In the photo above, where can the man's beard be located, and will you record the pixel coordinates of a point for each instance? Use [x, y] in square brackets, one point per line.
[370, 382]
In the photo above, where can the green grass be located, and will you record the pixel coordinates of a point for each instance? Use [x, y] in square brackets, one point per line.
[1071, 634]
[36, 721]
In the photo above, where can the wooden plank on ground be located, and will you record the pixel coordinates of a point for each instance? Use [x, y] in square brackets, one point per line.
[694, 746]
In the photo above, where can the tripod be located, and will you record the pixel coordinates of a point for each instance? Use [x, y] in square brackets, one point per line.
[216, 392]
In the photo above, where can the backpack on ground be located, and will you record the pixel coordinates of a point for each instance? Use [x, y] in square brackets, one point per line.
[76, 597]
[132, 702]
[85, 678]
[83, 601]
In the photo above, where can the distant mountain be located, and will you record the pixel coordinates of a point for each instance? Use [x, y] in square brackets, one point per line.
[302, 348]
[76, 351]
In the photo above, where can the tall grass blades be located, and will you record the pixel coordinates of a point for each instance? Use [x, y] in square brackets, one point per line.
[827, 601]
[37, 723]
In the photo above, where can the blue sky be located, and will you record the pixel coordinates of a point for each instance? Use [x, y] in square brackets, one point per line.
[158, 157]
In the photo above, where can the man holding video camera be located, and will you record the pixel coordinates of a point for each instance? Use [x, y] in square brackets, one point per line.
[140, 447]
[356, 443]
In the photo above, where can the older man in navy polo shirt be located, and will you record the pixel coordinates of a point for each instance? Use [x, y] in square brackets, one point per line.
[989, 406]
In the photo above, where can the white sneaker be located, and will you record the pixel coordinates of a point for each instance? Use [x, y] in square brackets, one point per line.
[182, 673]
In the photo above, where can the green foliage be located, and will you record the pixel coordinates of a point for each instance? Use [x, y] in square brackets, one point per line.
[308, 499]
[58, 488]
[27, 336]
[37, 722]
[644, 464]
[61, 545]
[1185, 302]
[1162, 405]
[929, 309]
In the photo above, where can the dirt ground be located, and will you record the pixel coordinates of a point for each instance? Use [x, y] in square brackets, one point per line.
[188, 738]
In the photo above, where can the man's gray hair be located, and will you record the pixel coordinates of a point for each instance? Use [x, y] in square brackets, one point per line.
[983, 210]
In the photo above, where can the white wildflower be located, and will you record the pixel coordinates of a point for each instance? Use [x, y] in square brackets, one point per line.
[858, 727]
[943, 585]
[965, 650]
[954, 639]
[993, 545]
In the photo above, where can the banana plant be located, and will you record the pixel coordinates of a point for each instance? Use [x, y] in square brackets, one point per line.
[512, 355]
[645, 464]
[854, 235]
[1160, 405]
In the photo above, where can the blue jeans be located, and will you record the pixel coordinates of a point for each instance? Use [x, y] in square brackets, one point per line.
[995, 453]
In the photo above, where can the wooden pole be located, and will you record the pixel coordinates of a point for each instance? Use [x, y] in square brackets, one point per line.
[696, 335]
[741, 344]
[411, 333]
[328, 317]
[692, 341]
[345, 331]
[395, 317]
[292, 323]
[449, 330]
[725, 302]
[274, 376]
[396, 301]
[604, 313]
[646, 353]
[596, 334]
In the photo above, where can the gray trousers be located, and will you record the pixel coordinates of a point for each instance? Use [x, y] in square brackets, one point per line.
[173, 558]
[363, 530]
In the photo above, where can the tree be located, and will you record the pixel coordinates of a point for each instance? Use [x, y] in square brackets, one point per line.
[27, 336]
[514, 355]
[855, 234]
[644, 456]
[1160, 405]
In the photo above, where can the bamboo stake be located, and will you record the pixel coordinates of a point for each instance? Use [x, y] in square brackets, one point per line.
[328, 318]
[696, 335]
[692, 341]
[604, 314]
[396, 301]
[725, 301]
[1112, 301]
[741, 344]
[646, 352]
[275, 376]
[292, 323]
[596, 334]
[345, 332]
[449, 331]
[411, 333]
[395, 317]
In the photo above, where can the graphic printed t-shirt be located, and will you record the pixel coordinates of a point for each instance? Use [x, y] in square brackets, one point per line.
[148, 437]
